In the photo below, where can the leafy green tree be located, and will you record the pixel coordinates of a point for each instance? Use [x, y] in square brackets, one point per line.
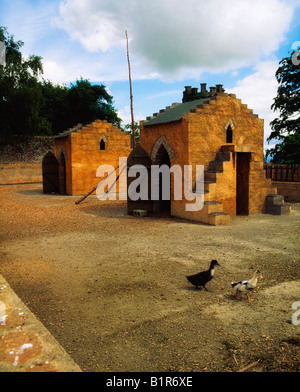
[29, 106]
[54, 106]
[128, 129]
[286, 127]
[288, 151]
[20, 93]
[89, 102]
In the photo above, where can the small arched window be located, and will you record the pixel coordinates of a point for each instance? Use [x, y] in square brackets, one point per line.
[229, 135]
[102, 145]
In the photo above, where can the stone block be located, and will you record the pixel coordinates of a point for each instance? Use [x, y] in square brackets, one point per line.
[213, 206]
[271, 201]
[218, 218]
[282, 209]
[140, 213]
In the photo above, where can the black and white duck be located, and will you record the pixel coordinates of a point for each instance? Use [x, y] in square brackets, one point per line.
[200, 279]
[245, 286]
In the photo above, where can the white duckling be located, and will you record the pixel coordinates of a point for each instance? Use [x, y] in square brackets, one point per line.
[244, 286]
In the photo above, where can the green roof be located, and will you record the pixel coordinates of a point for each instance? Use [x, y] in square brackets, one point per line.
[67, 133]
[175, 112]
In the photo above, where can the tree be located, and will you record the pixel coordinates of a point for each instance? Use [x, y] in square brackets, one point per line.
[54, 106]
[20, 93]
[286, 127]
[29, 106]
[87, 103]
[83, 102]
[287, 152]
[128, 129]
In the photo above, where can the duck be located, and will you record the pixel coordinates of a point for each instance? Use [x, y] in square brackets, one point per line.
[244, 286]
[200, 279]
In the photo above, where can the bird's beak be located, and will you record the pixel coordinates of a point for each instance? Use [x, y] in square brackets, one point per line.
[218, 264]
[261, 277]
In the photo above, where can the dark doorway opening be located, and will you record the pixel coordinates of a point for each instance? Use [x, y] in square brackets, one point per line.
[50, 173]
[62, 174]
[242, 183]
[163, 205]
[139, 156]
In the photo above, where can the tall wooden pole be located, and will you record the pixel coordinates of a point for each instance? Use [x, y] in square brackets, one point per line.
[131, 96]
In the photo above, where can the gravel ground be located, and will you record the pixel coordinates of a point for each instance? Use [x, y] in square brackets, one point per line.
[112, 289]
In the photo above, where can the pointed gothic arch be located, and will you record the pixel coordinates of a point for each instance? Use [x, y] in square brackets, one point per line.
[103, 143]
[162, 141]
[229, 127]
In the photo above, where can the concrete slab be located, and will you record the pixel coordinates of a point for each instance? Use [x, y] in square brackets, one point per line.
[25, 344]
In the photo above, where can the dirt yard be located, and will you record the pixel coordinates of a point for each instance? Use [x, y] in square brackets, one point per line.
[112, 289]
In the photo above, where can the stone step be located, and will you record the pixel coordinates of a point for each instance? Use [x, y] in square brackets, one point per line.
[206, 196]
[218, 218]
[210, 175]
[213, 206]
[271, 201]
[140, 213]
[223, 156]
[275, 199]
[282, 209]
[216, 165]
[275, 205]
[209, 186]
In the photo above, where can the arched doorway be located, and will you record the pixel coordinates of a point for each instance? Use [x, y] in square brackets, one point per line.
[138, 157]
[163, 204]
[62, 174]
[50, 173]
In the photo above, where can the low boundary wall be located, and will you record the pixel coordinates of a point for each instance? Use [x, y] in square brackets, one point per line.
[290, 190]
[20, 173]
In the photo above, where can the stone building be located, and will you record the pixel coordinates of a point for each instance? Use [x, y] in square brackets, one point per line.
[82, 149]
[218, 131]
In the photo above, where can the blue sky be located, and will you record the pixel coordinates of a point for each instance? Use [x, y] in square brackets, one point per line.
[237, 43]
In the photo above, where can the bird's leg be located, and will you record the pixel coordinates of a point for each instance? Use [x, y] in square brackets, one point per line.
[236, 296]
[205, 288]
[248, 298]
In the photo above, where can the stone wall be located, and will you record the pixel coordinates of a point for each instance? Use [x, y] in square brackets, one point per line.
[20, 173]
[290, 190]
[82, 149]
[208, 125]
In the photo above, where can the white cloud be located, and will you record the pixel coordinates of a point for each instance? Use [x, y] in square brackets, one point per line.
[258, 90]
[55, 72]
[125, 116]
[175, 37]
[66, 66]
